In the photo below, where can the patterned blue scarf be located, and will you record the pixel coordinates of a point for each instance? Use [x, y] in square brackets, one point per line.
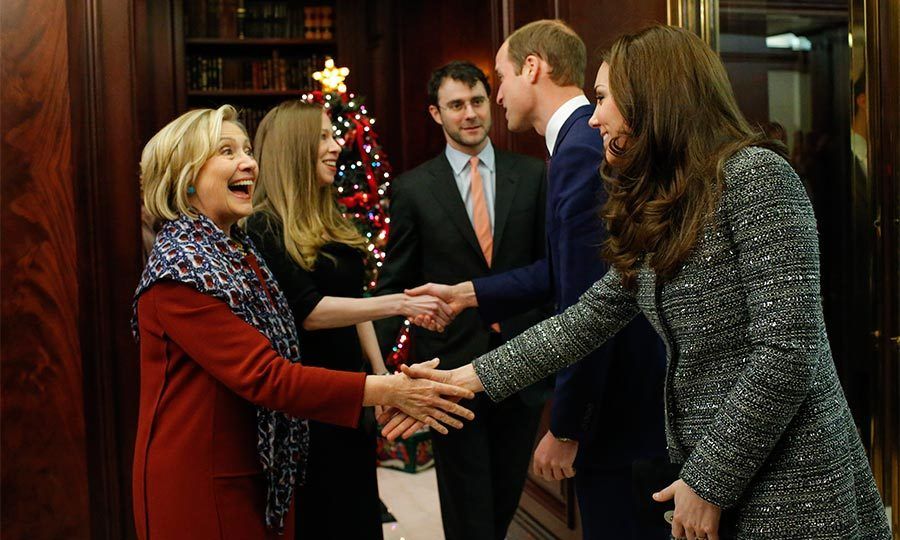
[196, 252]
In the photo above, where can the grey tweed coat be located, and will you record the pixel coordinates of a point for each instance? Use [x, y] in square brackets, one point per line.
[754, 409]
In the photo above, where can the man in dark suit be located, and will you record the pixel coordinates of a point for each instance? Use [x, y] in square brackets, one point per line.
[607, 409]
[470, 212]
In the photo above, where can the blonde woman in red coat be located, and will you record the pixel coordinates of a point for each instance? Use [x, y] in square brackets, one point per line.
[222, 436]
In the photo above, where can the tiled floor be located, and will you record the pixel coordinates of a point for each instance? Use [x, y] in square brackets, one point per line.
[413, 500]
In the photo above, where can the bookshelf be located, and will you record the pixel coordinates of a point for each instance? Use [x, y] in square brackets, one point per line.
[252, 54]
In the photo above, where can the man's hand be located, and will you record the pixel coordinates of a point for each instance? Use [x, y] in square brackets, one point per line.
[459, 297]
[553, 459]
[428, 311]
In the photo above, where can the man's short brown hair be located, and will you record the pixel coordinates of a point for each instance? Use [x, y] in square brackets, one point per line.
[554, 42]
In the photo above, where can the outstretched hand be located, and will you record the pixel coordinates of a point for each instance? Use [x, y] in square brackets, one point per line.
[457, 297]
[427, 311]
[399, 424]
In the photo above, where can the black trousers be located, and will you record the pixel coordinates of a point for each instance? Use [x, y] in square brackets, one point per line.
[340, 498]
[607, 509]
[481, 468]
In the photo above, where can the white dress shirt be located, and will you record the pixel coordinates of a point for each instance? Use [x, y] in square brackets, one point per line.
[459, 162]
[559, 118]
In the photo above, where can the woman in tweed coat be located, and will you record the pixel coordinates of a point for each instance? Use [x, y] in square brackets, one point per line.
[713, 238]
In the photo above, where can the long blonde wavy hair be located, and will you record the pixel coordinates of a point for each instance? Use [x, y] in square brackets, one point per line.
[683, 124]
[287, 149]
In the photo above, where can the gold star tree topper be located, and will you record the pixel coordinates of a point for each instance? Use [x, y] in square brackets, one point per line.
[332, 78]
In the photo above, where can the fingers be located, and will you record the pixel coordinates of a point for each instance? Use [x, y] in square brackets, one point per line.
[454, 408]
[453, 391]
[445, 418]
[387, 414]
[436, 311]
[397, 429]
[694, 518]
[435, 425]
[428, 323]
[445, 308]
[415, 426]
[423, 371]
[420, 290]
[666, 494]
[433, 363]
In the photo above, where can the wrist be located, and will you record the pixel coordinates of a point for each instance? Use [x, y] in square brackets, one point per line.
[377, 390]
[401, 304]
[465, 291]
[466, 377]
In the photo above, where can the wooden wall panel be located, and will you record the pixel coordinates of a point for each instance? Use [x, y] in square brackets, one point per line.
[111, 121]
[431, 34]
[44, 468]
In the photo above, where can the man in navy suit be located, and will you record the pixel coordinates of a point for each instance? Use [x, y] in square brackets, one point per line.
[607, 409]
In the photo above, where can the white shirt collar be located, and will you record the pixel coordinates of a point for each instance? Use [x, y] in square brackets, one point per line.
[559, 118]
[458, 160]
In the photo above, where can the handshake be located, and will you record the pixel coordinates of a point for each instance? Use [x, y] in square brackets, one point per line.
[422, 395]
[434, 306]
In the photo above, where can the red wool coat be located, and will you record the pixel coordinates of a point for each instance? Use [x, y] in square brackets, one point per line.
[196, 471]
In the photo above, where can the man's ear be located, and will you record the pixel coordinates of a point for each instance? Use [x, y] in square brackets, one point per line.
[435, 114]
[532, 67]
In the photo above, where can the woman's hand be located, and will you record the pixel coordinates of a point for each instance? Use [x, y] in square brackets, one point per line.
[426, 401]
[396, 424]
[427, 311]
[694, 519]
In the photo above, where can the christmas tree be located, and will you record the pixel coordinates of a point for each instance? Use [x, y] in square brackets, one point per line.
[363, 178]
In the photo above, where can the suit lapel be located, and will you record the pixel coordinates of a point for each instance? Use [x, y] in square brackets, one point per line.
[581, 114]
[443, 188]
[506, 192]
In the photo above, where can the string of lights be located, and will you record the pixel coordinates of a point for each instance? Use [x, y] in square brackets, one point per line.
[363, 178]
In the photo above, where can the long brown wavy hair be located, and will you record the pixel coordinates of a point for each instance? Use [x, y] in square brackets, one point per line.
[683, 123]
[287, 147]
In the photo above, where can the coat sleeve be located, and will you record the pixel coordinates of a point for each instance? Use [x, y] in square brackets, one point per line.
[774, 235]
[558, 341]
[241, 358]
[516, 291]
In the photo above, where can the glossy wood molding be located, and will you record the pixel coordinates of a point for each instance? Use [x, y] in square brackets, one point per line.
[44, 465]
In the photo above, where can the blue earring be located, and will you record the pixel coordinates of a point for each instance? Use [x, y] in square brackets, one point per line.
[191, 190]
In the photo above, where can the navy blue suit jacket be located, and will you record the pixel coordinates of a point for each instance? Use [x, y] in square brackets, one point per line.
[612, 400]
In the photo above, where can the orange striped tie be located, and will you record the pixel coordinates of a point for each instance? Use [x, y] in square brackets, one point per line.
[481, 220]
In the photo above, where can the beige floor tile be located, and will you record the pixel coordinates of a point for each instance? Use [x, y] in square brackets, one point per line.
[413, 500]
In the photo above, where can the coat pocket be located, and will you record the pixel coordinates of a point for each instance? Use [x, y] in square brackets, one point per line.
[241, 505]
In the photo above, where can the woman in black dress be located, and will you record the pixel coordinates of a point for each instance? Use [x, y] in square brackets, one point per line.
[318, 258]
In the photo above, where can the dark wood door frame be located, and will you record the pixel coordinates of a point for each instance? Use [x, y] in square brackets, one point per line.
[106, 150]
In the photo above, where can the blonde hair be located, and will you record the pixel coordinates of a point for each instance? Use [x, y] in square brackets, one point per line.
[172, 159]
[287, 149]
[683, 124]
[554, 42]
